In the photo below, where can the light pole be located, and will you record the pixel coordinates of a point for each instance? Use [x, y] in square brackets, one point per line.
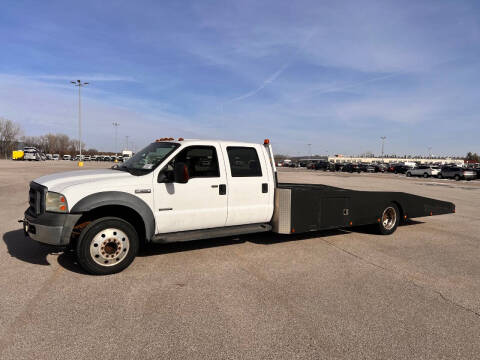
[79, 84]
[430, 152]
[383, 142]
[126, 147]
[116, 125]
[309, 150]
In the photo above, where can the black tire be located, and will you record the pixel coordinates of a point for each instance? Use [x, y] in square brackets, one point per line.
[409, 174]
[425, 175]
[391, 213]
[123, 248]
[457, 177]
[440, 176]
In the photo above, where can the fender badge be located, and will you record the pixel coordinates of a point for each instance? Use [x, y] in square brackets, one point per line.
[143, 191]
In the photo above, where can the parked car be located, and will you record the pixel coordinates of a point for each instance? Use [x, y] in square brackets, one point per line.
[351, 168]
[374, 168]
[457, 173]
[338, 166]
[400, 169]
[49, 156]
[56, 157]
[322, 165]
[424, 170]
[363, 167]
[67, 157]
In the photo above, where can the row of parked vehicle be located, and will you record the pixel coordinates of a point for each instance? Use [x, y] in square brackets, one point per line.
[89, 157]
[446, 171]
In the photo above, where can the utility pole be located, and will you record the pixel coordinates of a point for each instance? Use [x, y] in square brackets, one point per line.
[79, 84]
[429, 151]
[116, 125]
[126, 146]
[383, 143]
[309, 150]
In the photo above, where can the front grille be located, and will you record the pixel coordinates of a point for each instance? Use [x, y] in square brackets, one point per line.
[36, 198]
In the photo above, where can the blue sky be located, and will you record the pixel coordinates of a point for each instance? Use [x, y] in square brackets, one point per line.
[336, 74]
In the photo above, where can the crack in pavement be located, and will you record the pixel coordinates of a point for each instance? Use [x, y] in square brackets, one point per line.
[446, 299]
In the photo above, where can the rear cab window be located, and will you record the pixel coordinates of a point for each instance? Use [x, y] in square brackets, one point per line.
[244, 161]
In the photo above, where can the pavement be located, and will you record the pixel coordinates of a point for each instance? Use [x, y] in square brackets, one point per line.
[332, 295]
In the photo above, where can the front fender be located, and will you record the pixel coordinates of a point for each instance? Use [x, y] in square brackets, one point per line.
[105, 198]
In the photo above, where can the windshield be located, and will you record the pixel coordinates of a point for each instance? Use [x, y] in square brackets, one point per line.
[148, 158]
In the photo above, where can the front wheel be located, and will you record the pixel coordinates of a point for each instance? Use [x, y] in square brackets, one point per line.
[425, 175]
[107, 246]
[409, 174]
[389, 220]
[440, 176]
[457, 177]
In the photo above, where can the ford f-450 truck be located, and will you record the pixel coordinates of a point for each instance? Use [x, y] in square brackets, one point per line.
[181, 190]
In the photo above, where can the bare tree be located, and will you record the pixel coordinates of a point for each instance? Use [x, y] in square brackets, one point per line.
[9, 133]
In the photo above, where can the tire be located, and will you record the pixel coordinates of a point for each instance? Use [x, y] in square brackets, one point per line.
[107, 246]
[457, 177]
[389, 219]
[409, 174]
[425, 175]
[440, 176]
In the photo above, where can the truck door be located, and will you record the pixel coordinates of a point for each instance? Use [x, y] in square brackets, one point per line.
[201, 203]
[250, 185]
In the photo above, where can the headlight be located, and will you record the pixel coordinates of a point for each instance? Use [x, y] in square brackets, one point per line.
[56, 202]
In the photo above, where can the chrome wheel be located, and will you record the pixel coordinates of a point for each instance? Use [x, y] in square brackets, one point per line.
[389, 218]
[109, 247]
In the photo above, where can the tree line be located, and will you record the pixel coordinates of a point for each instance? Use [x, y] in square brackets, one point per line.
[12, 138]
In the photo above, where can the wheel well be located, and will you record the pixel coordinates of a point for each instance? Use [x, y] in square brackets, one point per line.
[122, 212]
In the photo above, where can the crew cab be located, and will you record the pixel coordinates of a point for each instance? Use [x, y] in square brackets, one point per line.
[181, 190]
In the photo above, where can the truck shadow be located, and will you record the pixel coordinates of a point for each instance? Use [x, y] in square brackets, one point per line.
[26, 249]
[30, 251]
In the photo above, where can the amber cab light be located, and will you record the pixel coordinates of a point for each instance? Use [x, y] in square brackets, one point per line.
[266, 141]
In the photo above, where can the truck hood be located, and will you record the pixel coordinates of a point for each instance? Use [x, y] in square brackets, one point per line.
[58, 182]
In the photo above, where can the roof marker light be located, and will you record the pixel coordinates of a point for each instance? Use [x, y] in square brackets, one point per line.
[266, 141]
[180, 139]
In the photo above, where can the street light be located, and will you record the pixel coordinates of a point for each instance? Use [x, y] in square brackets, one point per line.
[116, 125]
[309, 150]
[79, 84]
[383, 142]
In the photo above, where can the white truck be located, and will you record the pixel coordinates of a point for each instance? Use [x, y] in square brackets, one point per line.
[181, 190]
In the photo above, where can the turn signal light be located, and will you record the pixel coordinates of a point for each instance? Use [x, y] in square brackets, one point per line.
[266, 141]
[180, 139]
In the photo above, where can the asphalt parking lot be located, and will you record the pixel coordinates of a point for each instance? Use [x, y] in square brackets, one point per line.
[333, 295]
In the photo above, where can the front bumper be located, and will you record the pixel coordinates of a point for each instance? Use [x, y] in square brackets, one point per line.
[50, 228]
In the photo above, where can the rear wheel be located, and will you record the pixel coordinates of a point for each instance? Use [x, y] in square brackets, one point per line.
[389, 220]
[409, 174]
[457, 177]
[425, 175]
[107, 245]
[440, 176]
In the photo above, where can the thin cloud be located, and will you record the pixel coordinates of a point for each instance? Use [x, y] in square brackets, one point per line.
[89, 77]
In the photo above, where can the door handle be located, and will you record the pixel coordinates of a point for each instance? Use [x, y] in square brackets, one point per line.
[222, 189]
[214, 186]
[264, 188]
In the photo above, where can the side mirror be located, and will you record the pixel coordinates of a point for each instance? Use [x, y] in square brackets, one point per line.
[181, 173]
[165, 176]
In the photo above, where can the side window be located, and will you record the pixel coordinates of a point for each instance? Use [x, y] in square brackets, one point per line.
[201, 161]
[244, 161]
